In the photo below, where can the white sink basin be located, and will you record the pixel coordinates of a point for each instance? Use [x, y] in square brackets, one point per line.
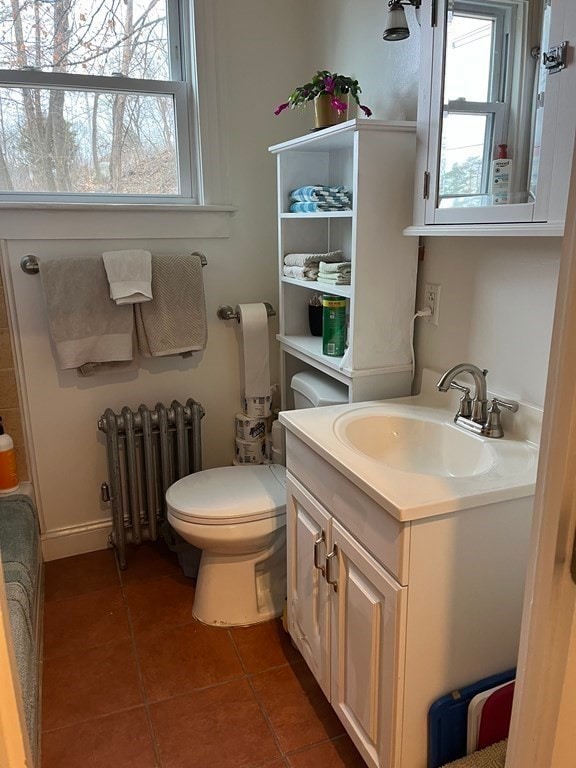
[425, 441]
[416, 445]
[409, 456]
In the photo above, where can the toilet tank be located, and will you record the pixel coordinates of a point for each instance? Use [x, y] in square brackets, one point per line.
[313, 389]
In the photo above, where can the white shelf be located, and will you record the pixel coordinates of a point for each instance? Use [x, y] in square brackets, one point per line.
[486, 230]
[322, 215]
[341, 136]
[361, 155]
[311, 347]
[313, 285]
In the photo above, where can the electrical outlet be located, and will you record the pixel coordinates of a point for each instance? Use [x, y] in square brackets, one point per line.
[432, 300]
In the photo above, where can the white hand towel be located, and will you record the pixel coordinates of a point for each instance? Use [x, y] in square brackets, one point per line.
[308, 259]
[130, 275]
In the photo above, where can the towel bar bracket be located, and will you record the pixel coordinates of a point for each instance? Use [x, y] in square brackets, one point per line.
[30, 264]
[226, 312]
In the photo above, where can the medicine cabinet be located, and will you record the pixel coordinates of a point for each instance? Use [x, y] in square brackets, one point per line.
[497, 78]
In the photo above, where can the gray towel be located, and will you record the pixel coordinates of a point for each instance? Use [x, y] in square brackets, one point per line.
[85, 324]
[174, 322]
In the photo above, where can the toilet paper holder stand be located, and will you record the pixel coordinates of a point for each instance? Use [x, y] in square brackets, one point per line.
[226, 312]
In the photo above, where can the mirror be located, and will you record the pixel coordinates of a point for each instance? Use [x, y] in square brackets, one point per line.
[492, 103]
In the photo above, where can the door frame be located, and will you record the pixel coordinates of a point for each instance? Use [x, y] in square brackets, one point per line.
[545, 701]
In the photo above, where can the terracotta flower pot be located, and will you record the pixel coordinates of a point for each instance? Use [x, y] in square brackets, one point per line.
[326, 114]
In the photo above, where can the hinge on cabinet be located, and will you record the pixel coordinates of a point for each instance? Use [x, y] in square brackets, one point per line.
[426, 185]
[554, 59]
[573, 563]
[433, 17]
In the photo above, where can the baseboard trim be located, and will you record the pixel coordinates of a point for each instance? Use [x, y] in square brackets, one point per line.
[75, 540]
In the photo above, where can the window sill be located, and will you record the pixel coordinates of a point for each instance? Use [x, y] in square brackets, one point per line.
[113, 221]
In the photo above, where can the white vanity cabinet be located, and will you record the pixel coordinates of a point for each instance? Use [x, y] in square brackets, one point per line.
[350, 630]
[391, 614]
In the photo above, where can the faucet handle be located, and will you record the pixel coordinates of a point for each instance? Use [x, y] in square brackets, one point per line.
[465, 408]
[511, 405]
[493, 426]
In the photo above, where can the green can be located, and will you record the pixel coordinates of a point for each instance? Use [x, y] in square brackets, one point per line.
[333, 325]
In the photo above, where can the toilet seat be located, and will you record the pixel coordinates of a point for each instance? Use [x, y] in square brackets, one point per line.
[229, 495]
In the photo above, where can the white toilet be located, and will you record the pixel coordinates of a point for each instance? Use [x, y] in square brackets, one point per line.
[237, 517]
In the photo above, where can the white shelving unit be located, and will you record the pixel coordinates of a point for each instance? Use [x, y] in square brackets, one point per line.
[375, 160]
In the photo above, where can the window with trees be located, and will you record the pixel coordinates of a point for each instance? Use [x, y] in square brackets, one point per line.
[480, 40]
[95, 100]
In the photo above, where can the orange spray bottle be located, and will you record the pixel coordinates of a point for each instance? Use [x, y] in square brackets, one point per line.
[8, 473]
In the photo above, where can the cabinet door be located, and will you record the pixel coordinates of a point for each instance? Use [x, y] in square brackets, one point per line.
[308, 595]
[367, 666]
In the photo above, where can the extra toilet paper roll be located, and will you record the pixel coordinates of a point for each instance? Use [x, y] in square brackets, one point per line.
[249, 451]
[255, 352]
[250, 428]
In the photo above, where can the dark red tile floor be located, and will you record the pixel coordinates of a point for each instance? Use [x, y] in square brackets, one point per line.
[130, 679]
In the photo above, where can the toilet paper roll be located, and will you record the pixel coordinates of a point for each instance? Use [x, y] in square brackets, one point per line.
[249, 451]
[255, 352]
[258, 407]
[248, 428]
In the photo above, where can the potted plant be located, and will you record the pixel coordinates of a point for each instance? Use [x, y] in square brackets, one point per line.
[330, 93]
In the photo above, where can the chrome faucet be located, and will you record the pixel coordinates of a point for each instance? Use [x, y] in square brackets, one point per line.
[473, 413]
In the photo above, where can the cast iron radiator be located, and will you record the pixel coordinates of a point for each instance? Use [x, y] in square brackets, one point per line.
[147, 451]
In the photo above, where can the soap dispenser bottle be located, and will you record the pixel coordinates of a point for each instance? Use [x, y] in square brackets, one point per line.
[8, 473]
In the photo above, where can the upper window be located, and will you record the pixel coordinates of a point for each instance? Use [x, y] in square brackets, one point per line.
[94, 101]
[478, 39]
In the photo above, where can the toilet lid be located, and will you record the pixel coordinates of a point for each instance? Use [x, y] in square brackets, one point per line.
[229, 494]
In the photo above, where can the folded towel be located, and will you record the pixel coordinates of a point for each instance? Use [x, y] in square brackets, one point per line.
[315, 191]
[174, 322]
[310, 259]
[130, 275]
[341, 199]
[321, 197]
[340, 267]
[301, 273]
[85, 324]
[334, 279]
[319, 207]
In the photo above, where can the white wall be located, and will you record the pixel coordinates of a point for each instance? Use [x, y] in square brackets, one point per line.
[348, 40]
[258, 49]
[496, 309]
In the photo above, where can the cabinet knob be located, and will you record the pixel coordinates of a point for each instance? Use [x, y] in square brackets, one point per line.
[329, 559]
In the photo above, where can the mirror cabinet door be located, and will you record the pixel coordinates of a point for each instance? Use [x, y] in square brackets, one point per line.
[489, 92]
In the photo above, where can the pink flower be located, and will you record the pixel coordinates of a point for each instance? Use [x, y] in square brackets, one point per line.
[281, 108]
[367, 111]
[329, 84]
[338, 105]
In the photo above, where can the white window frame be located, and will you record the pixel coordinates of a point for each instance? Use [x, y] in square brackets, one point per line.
[182, 57]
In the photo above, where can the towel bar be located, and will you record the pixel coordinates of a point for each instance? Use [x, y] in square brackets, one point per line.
[30, 264]
[226, 312]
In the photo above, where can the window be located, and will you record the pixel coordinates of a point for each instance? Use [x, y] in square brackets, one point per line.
[94, 101]
[475, 108]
